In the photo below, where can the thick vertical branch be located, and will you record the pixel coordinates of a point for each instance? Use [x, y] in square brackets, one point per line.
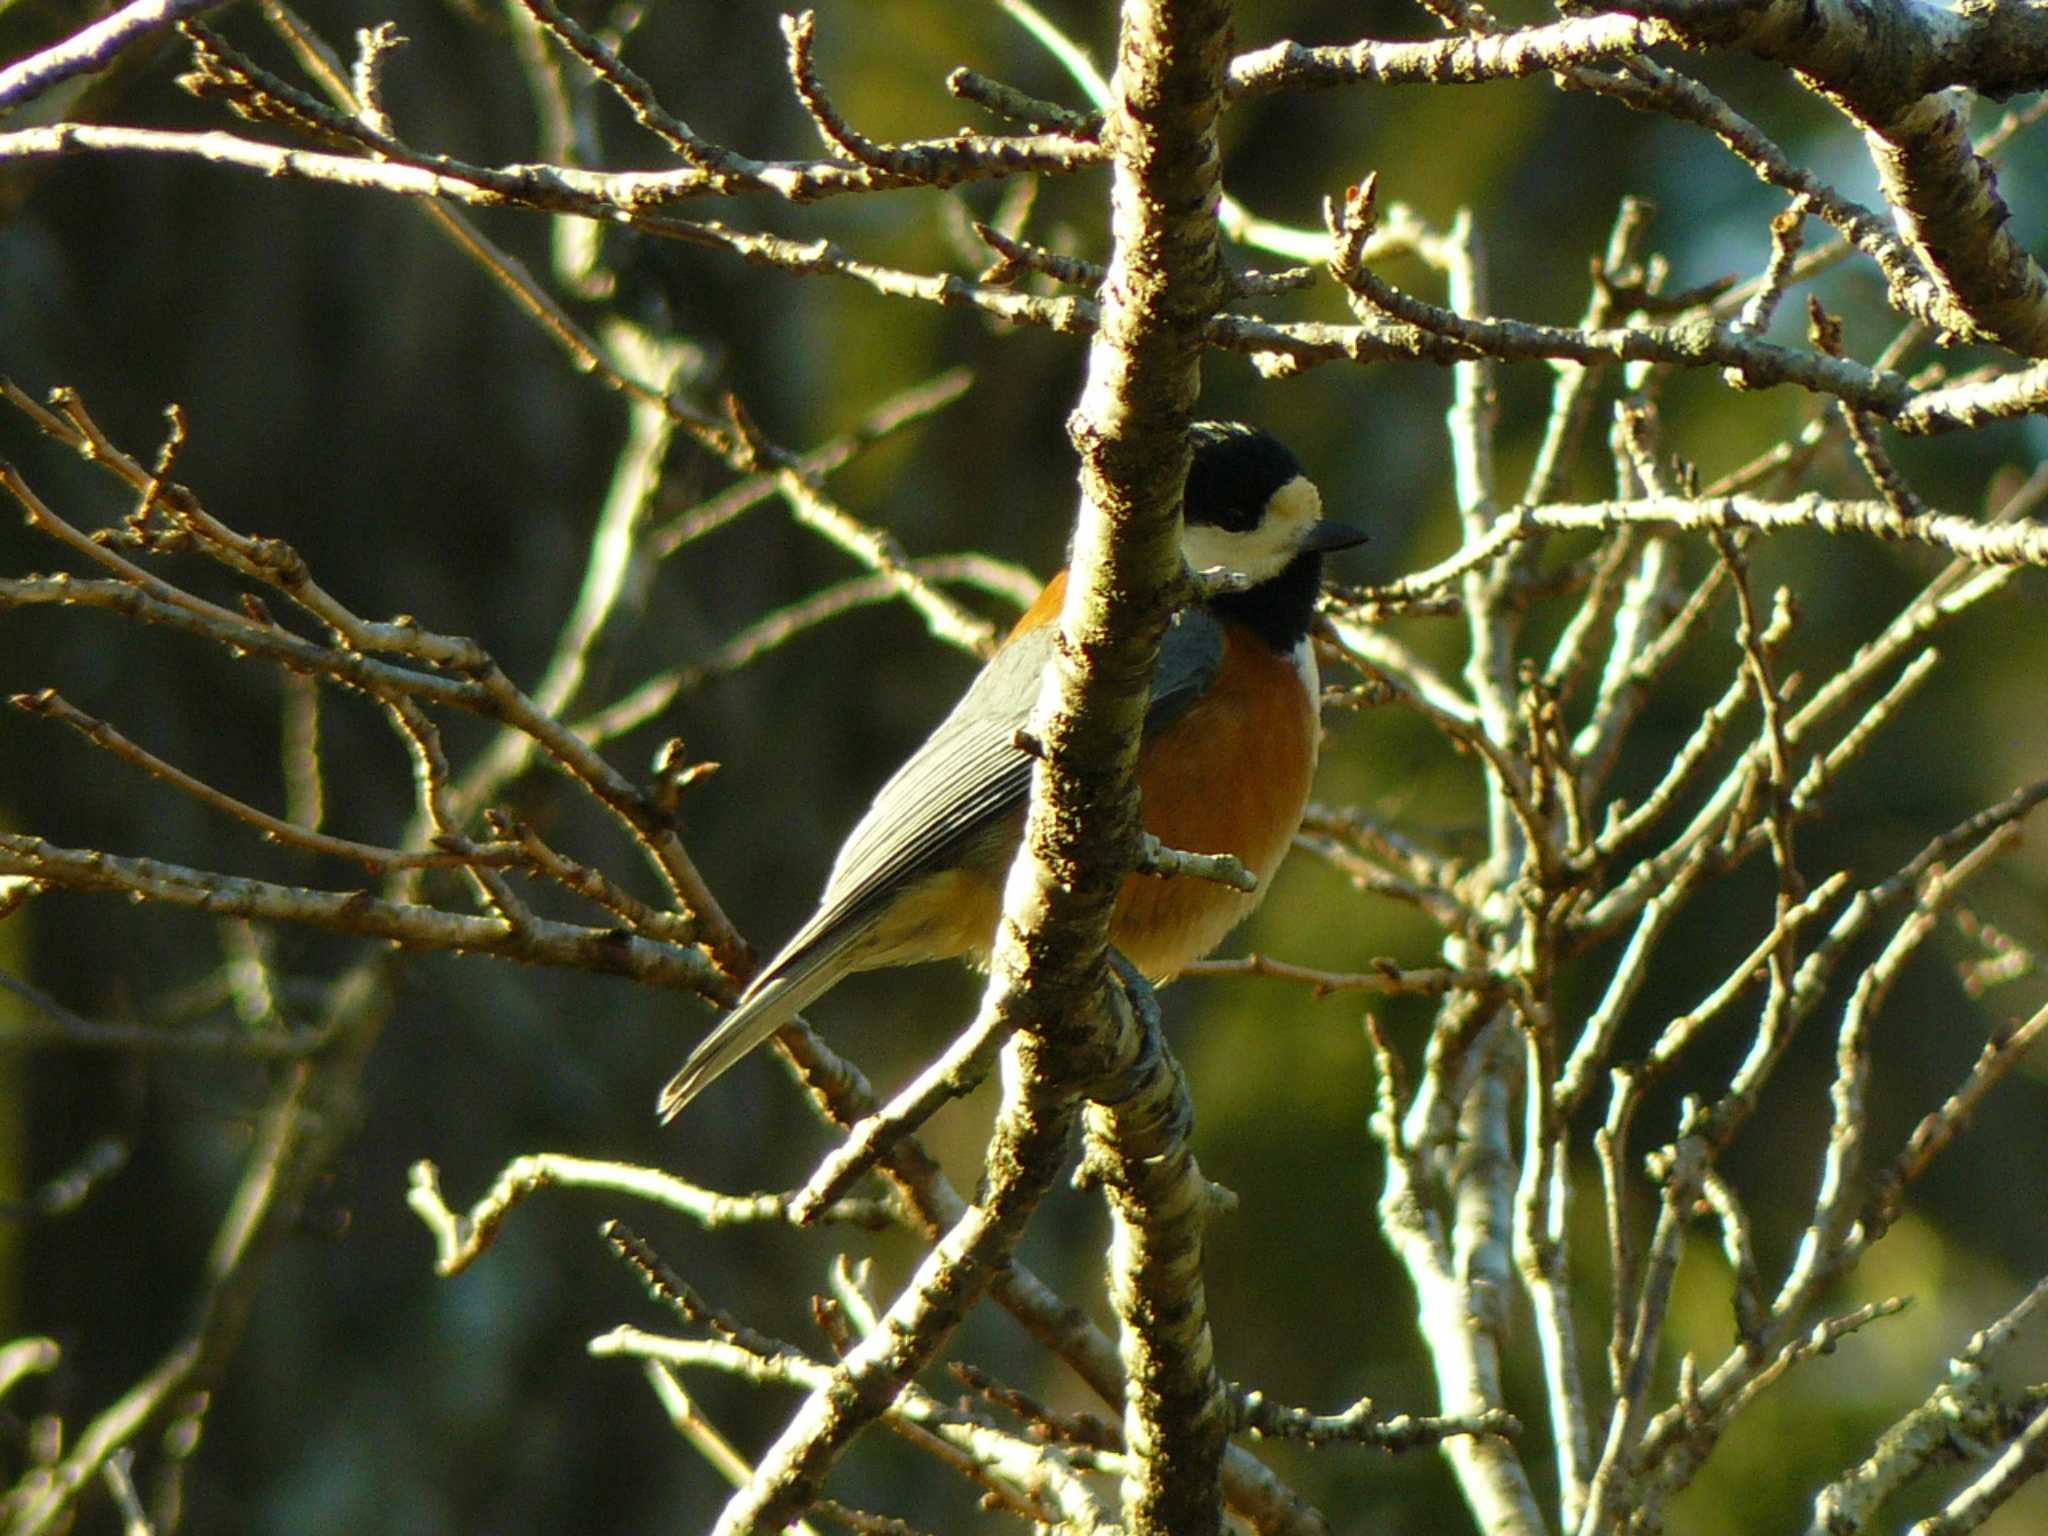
[1463, 1276]
[1048, 974]
[1463, 1352]
[1176, 1415]
[1490, 621]
[1165, 280]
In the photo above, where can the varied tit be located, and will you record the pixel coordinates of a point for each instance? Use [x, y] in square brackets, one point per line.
[1229, 746]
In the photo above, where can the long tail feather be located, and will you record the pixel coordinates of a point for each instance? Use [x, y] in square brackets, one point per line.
[790, 984]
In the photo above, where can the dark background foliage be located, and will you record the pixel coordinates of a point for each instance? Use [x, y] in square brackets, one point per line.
[357, 388]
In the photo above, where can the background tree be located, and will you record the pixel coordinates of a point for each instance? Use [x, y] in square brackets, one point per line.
[1668, 848]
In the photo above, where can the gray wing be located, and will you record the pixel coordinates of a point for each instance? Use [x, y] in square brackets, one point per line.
[970, 774]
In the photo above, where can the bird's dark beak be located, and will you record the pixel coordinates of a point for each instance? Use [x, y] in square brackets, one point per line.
[1327, 536]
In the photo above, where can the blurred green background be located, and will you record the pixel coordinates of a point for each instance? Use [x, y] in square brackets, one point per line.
[357, 388]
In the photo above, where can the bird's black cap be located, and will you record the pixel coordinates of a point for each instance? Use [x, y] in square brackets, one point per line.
[1234, 472]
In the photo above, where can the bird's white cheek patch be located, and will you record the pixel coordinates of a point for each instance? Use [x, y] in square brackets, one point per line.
[1263, 551]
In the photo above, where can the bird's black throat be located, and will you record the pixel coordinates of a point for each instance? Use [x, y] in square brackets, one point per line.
[1280, 609]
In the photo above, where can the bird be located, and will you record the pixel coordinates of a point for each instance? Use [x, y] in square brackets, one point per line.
[1227, 751]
